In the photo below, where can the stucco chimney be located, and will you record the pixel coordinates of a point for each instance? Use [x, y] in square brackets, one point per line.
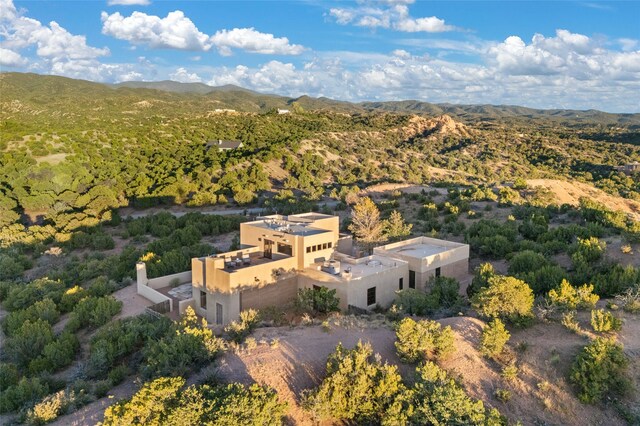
[141, 273]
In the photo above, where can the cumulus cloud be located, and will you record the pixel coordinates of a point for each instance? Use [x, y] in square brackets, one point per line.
[567, 54]
[567, 70]
[184, 76]
[9, 58]
[52, 42]
[174, 31]
[391, 15]
[128, 2]
[250, 40]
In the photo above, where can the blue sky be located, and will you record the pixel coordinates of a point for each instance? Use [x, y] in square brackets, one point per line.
[545, 54]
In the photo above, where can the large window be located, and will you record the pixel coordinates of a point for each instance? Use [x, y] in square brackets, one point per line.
[400, 283]
[285, 249]
[371, 296]
[412, 279]
[203, 299]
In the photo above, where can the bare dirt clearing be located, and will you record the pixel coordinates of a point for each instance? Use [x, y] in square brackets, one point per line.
[570, 193]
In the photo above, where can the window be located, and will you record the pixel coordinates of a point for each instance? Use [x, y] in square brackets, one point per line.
[309, 249]
[330, 245]
[400, 283]
[324, 246]
[203, 299]
[218, 313]
[438, 272]
[285, 249]
[412, 279]
[371, 296]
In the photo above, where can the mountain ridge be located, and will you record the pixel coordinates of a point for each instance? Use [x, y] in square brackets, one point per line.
[242, 99]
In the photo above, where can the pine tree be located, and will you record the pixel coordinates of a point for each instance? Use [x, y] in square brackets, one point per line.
[366, 224]
[396, 227]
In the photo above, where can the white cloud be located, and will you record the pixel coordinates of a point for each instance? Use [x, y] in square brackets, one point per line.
[628, 44]
[183, 76]
[250, 40]
[389, 14]
[128, 2]
[175, 31]
[9, 58]
[557, 75]
[400, 53]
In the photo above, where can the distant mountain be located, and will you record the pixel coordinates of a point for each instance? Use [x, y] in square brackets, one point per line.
[177, 87]
[196, 96]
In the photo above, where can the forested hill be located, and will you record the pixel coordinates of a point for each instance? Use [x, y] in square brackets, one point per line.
[17, 85]
[73, 150]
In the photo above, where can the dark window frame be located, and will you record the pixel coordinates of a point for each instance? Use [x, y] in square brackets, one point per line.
[371, 296]
[203, 297]
[412, 279]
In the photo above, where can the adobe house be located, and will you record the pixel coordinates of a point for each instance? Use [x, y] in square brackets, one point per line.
[280, 254]
[223, 145]
[630, 168]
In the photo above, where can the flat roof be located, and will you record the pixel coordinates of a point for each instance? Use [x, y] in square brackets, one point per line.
[419, 247]
[368, 267]
[419, 250]
[288, 227]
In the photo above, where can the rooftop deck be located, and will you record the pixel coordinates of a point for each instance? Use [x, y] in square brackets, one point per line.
[254, 259]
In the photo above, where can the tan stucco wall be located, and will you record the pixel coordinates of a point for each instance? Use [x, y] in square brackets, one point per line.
[165, 281]
[276, 294]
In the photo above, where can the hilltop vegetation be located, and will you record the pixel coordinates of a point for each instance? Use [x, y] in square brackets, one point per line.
[73, 150]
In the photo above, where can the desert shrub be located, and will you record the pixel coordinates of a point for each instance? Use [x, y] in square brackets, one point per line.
[94, 312]
[358, 387]
[509, 372]
[9, 375]
[71, 297]
[43, 309]
[588, 250]
[148, 405]
[443, 294]
[490, 238]
[118, 340]
[26, 391]
[630, 300]
[506, 298]
[320, 300]
[57, 354]
[612, 279]
[600, 369]
[438, 400]
[101, 286]
[421, 340]
[503, 395]
[526, 261]
[604, 321]
[544, 279]
[28, 341]
[238, 330]
[191, 344]
[48, 409]
[23, 296]
[494, 337]
[568, 297]
[166, 401]
[569, 321]
[413, 302]
[480, 278]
